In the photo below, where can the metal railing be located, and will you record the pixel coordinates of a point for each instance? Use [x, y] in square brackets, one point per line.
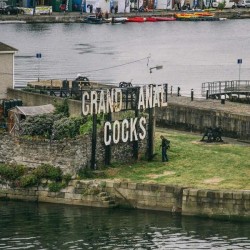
[225, 87]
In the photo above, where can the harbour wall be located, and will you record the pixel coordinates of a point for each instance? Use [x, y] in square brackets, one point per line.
[225, 205]
[176, 115]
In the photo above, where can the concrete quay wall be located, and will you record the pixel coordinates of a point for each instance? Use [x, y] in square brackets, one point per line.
[226, 205]
[194, 119]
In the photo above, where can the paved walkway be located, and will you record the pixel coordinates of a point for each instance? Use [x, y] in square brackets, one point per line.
[215, 105]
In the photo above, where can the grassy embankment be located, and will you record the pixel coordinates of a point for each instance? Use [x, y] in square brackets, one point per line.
[192, 164]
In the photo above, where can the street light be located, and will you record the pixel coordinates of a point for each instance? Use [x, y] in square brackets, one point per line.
[239, 61]
[156, 67]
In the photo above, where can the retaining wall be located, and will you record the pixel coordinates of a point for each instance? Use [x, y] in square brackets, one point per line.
[68, 154]
[226, 205]
[195, 119]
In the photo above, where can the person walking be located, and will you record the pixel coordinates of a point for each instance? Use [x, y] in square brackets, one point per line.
[164, 146]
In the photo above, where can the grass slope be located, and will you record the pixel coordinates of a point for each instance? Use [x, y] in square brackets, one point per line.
[192, 164]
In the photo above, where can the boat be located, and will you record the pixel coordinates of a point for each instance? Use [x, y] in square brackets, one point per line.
[136, 19]
[150, 19]
[161, 19]
[92, 19]
[117, 20]
[11, 21]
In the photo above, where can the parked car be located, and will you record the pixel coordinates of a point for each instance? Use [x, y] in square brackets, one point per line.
[243, 4]
[229, 4]
[11, 10]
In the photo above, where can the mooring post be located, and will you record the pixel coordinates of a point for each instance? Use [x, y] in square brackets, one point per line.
[192, 94]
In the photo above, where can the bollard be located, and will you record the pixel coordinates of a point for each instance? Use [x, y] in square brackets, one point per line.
[192, 94]
[223, 98]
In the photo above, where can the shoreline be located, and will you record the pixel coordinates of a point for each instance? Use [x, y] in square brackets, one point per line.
[214, 204]
[76, 17]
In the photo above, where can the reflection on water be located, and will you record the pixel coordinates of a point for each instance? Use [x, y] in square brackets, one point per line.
[50, 226]
[190, 52]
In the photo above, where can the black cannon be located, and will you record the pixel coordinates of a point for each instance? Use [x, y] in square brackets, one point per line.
[213, 134]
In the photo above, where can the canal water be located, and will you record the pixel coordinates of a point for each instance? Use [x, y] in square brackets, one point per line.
[190, 52]
[35, 226]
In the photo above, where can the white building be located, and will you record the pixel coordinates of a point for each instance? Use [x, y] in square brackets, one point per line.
[6, 68]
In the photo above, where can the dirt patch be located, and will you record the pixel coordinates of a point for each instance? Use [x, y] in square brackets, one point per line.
[213, 181]
[165, 173]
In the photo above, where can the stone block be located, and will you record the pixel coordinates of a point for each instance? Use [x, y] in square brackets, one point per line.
[246, 195]
[154, 187]
[227, 195]
[132, 185]
[202, 193]
[237, 195]
[124, 185]
[185, 192]
[109, 184]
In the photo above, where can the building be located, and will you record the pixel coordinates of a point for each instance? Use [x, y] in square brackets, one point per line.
[7, 56]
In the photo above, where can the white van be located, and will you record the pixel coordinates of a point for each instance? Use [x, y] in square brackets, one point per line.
[243, 4]
[229, 4]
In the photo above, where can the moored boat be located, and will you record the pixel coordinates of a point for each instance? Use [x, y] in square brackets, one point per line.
[161, 19]
[94, 20]
[150, 19]
[136, 19]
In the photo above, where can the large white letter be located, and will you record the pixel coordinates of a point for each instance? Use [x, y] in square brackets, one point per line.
[118, 97]
[133, 129]
[163, 104]
[149, 96]
[125, 126]
[156, 97]
[142, 122]
[85, 96]
[93, 99]
[116, 132]
[107, 137]
[109, 101]
[141, 101]
[102, 103]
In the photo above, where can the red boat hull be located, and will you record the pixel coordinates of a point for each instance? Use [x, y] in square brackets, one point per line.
[136, 19]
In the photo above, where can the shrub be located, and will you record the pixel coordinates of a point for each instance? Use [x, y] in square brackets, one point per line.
[40, 125]
[62, 108]
[48, 172]
[85, 173]
[67, 127]
[12, 172]
[66, 178]
[28, 180]
[56, 186]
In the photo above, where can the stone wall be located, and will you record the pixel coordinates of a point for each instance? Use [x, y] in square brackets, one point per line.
[232, 205]
[227, 205]
[69, 154]
[195, 119]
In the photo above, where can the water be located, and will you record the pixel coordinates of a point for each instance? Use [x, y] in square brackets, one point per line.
[51, 226]
[190, 52]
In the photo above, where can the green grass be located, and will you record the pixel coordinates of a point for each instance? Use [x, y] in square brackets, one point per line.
[192, 164]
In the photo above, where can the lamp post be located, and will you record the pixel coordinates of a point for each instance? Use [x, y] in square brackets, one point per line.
[239, 62]
[156, 67]
[39, 56]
